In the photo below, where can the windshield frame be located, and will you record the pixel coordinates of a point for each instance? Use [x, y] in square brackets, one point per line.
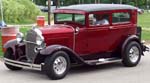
[73, 18]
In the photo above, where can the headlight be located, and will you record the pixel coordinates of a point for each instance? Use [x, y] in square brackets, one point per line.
[19, 37]
[39, 38]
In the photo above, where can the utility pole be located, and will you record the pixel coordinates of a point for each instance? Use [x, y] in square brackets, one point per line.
[1, 5]
[95, 1]
[136, 3]
[99, 1]
[57, 4]
[49, 12]
[2, 16]
[120, 1]
[147, 6]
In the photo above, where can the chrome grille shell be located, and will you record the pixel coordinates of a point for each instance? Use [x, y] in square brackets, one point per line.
[30, 47]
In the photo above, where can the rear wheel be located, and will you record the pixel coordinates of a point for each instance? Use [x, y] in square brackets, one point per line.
[132, 54]
[9, 54]
[57, 65]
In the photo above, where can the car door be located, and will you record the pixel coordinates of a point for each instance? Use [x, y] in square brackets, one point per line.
[121, 27]
[81, 41]
[80, 36]
[99, 37]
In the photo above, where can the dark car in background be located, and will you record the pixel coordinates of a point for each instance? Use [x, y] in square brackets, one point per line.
[45, 8]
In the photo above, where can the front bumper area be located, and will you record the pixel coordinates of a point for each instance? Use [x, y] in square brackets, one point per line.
[23, 64]
[145, 48]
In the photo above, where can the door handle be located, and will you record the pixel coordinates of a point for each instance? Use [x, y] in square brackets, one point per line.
[77, 29]
[113, 28]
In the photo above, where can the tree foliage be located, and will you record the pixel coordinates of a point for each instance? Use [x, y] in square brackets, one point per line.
[40, 2]
[139, 3]
[16, 11]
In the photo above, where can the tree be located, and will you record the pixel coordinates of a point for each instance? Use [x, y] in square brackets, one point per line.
[16, 11]
[40, 2]
[138, 3]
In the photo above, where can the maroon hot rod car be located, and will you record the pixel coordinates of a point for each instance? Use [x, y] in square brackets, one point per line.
[87, 34]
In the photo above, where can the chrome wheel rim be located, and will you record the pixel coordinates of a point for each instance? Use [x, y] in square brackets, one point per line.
[134, 54]
[60, 65]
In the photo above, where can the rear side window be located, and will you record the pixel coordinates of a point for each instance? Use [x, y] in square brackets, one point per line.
[121, 17]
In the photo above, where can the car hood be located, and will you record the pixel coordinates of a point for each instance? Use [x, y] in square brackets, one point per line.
[56, 29]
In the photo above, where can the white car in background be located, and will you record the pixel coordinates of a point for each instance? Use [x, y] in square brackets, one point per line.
[140, 11]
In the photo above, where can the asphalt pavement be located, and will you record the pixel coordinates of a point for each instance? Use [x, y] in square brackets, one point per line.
[108, 73]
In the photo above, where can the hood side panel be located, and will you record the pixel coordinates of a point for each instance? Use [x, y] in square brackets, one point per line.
[58, 36]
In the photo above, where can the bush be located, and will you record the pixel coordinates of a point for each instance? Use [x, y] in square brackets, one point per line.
[19, 11]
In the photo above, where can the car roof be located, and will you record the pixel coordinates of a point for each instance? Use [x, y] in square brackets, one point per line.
[98, 7]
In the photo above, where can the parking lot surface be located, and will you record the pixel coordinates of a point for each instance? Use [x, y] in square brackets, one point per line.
[108, 73]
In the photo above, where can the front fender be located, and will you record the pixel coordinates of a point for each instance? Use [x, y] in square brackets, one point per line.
[54, 48]
[12, 44]
[50, 49]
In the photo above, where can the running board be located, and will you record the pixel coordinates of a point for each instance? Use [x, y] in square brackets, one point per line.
[23, 64]
[103, 61]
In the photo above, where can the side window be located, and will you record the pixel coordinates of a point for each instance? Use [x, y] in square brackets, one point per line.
[121, 17]
[64, 17]
[79, 19]
[98, 19]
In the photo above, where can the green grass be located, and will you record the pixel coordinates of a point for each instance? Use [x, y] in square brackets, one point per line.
[24, 22]
[146, 35]
[31, 21]
[46, 16]
[144, 22]
[24, 29]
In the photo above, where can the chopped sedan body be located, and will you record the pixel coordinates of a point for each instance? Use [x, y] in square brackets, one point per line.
[87, 34]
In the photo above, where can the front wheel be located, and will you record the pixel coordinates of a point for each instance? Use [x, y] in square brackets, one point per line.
[132, 54]
[9, 54]
[57, 65]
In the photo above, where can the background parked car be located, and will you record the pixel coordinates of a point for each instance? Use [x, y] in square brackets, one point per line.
[45, 8]
[140, 11]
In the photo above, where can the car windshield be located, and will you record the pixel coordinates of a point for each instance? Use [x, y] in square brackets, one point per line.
[76, 18]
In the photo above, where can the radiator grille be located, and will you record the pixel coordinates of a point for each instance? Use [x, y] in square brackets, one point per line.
[30, 53]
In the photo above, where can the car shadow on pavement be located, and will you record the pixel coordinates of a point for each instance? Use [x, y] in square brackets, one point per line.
[96, 68]
[74, 71]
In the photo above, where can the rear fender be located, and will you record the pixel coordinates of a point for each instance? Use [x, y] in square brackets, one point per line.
[129, 39]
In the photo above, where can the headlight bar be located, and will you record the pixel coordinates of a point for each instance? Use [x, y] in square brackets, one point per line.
[19, 37]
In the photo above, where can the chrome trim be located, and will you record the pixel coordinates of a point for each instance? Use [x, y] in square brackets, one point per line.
[29, 42]
[106, 62]
[74, 38]
[100, 62]
[60, 65]
[39, 34]
[23, 64]
[21, 36]
[134, 54]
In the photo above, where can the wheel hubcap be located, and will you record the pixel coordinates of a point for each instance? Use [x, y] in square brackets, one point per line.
[134, 54]
[60, 65]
